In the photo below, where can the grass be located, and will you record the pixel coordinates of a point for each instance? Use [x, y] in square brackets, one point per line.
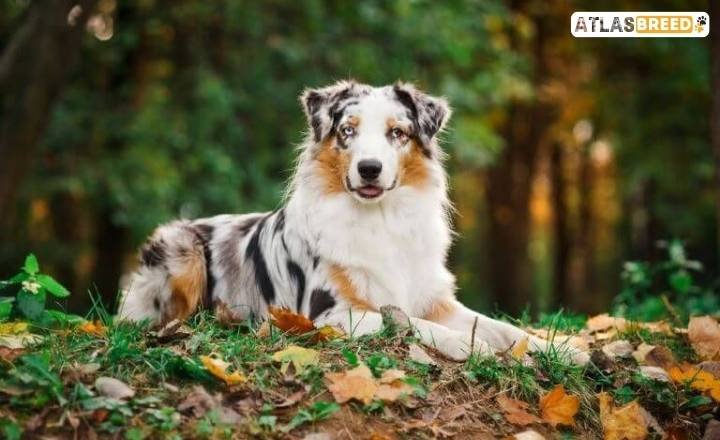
[49, 389]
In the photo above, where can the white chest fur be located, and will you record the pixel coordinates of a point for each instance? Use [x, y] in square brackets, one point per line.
[394, 251]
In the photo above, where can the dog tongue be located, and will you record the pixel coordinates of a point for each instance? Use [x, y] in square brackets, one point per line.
[370, 191]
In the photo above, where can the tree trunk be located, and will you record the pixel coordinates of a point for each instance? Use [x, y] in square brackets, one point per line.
[33, 71]
[715, 111]
[562, 235]
[509, 184]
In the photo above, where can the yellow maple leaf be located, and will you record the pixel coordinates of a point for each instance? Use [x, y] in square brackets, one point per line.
[95, 328]
[218, 368]
[520, 349]
[558, 407]
[697, 379]
[300, 357]
[13, 328]
[627, 422]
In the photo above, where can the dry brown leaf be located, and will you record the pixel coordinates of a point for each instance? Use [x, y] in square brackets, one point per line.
[660, 356]
[417, 354]
[357, 384]
[604, 322]
[516, 411]
[390, 392]
[218, 368]
[558, 407]
[618, 349]
[264, 330]
[627, 422]
[226, 316]
[290, 322]
[704, 335]
[642, 351]
[391, 375]
[697, 379]
[712, 367]
[655, 373]
[111, 387]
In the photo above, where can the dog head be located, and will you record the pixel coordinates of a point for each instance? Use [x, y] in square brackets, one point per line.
[367, 140]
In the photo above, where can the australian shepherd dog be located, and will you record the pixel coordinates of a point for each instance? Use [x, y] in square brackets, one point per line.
[366, 223]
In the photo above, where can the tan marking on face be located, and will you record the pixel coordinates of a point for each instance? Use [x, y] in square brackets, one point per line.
[440, 310]
[186, 289]
[332, 166]
[353, 120]
[341, 280]
[414, 167]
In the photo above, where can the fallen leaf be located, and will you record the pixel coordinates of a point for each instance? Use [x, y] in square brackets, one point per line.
[697, 379]
[13, 328]
[77, 372]
[627, 422]
[604, 322]
[171, 331]
[390, 392]
[452, 413]
[226, 316]
[704, 336]
[618, 349]
[520, 349]
[290, 322]
[391, 375]
[327, 333]
[95, 328]
[642, 351]
[114, 388]
[660, 356]
[299, 357]
[417, 354]
[357, 384]
[264, 330]
[10, 354]
[559, 408]
[218, 368]
[712, 367]
[516, 411]
[655, 373]
[291, 400]
[199, 402]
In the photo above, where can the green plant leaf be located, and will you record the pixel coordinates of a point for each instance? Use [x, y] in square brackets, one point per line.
[31, 265]
[5, 307]
[681, 281]
[19, 278]
[31, 305]
[53, 286]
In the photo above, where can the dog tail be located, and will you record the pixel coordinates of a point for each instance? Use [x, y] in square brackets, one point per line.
[172, 278]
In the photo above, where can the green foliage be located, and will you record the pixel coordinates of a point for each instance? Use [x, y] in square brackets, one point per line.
[665, 289]
[318, 411]
[31, 288]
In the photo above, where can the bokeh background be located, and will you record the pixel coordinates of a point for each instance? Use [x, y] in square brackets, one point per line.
[568, 157]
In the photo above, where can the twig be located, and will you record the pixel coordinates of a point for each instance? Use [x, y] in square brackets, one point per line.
[472, 336]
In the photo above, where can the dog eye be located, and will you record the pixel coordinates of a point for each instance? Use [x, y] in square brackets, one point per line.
[397, 133]
[348, 131]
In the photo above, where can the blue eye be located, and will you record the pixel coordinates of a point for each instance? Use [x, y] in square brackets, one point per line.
[348, 131]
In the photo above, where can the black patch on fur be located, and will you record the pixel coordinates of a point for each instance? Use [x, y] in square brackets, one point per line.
[320, 301]
[280, 221]
[316, 261]
[153, 253]
[228, 254]
[297, 274]
[262, 276]
[205, 233]
[156, 304]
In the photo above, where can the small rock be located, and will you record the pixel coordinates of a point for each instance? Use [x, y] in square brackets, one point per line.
[417, 354]
[655, 373]
[114, 388]
[528, 435]
[393, 315]
[618, 349]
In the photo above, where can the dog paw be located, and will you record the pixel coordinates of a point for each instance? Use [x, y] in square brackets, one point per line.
[459, 348]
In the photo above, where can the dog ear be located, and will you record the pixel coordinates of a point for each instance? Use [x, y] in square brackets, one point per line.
[318, 105]
[429, 113]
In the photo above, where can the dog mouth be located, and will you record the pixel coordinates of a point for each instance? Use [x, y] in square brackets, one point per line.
[369, 191]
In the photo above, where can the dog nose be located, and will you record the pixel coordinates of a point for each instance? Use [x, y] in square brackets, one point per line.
[369, 169]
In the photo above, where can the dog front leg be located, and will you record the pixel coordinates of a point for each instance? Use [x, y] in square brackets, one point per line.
[500, 335]
[454, 344]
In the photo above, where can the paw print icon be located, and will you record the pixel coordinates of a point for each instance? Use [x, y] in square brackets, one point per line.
[701, 21]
